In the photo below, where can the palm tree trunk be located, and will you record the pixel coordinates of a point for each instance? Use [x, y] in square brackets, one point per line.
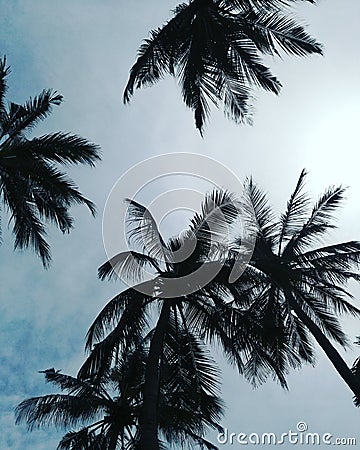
[149, 415]
[334, 356]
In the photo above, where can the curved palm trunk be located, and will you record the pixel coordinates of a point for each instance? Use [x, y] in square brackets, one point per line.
[334, 356]
[149, 416]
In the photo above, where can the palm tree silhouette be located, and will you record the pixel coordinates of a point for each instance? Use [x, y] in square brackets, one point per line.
[205, 311]
[189, 402]
[32, 188]
[213, 48]
[297, 289]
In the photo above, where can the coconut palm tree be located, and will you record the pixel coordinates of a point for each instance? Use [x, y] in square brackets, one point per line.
[300, 288]
[214, 48]
[183, 295]
[32, 188]
[106, 412]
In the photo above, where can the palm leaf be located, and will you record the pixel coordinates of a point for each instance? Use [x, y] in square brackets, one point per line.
[74, 386]
[19, 163]
[345, 254]
[130, 326]
[319, 312]
[270, 30]
[156, 55]
[129, 266]
[263, 215]
[61, 411]
[111, 314]
[303, 341]
[259, 366]
[295, 211]
[334, 297]
[24, 117]
[260, 4]
[319, 221]
[4, 72]
[27, 229]
[143, 231]
[219, 210]
[83, 439]
[62, 148]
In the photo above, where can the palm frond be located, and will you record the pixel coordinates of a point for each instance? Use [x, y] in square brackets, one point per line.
[83, 439]
[272, 30]
[73, 386]
[219, 211]
[214, 323]
[21, 167]
[263, 215]
[259, 366]
[190, 362]
[261, 4]
[344, 255]
[302, 341]
[130, 300]
[143, 231]
[33, 192]
[245, 57]
[62, 148]
[237, 101]
[61, 411]
[24, 117]
[156, 55]
[130, 326]
[319, 312]
[28, 230]
[190, 388]
[4, 72]
[201, 442]
[128, 266]
[320, 221]
[294, 215]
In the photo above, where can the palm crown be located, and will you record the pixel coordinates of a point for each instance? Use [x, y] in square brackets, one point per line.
[106, 412]
[32, 188]
[204, 310]
[298, 290]
[213, 48]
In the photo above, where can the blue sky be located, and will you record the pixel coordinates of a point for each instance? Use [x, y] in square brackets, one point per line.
[84, 50]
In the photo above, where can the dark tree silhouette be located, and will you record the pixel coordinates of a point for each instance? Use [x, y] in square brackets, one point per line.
[106, 412]
[32, 188]
[205, 312]
[299, 289]
[214, 48]
[356, 371]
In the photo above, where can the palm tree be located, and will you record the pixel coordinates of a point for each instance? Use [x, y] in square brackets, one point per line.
[189, 402]
[298, 289]
[196, 306]
[214, 48]
[32, 188]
